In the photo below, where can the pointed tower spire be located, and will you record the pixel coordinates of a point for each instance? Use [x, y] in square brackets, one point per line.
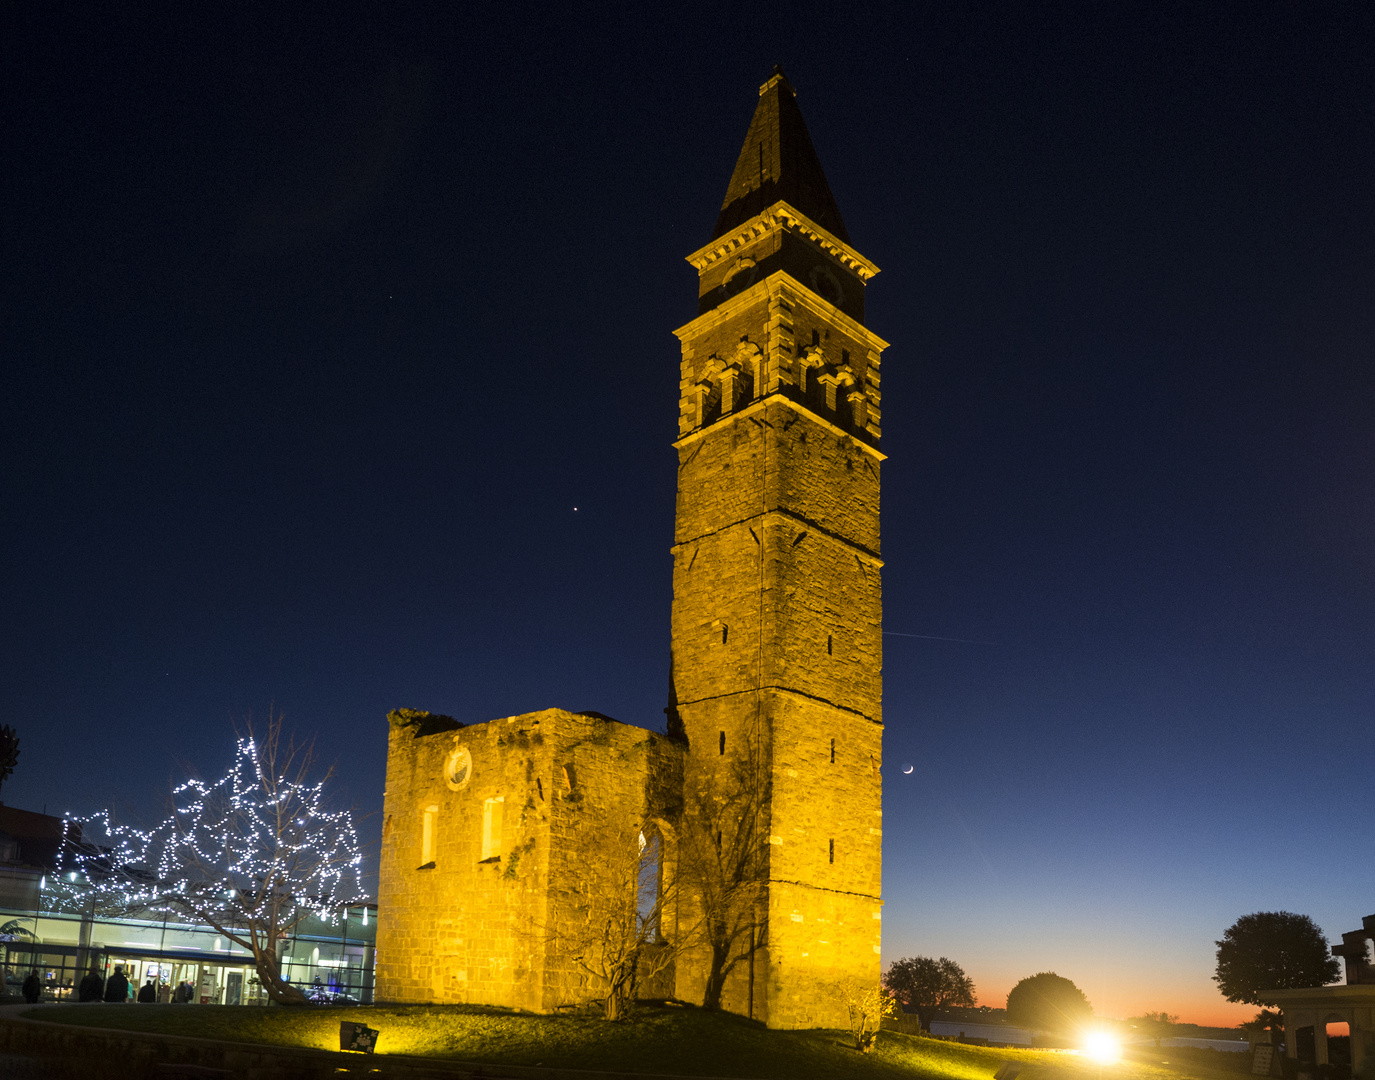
[778, 163]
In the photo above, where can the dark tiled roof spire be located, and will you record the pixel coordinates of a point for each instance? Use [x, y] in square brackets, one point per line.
[778, 163]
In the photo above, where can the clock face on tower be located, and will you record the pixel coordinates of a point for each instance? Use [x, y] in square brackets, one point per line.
[825, 284]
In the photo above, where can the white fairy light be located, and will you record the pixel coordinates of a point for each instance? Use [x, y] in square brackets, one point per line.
[252, 855]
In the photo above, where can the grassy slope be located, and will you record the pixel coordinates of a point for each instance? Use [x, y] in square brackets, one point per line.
[658, 1040]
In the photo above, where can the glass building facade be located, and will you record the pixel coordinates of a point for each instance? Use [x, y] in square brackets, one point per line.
[332, 961]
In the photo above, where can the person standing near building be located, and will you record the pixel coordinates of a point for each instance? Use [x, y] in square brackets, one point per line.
[117, 987]
[92, 986]
[148, 994]
[33, 988]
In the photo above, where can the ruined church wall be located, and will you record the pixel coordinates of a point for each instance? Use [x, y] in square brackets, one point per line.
[459, 930]
[612, 783]
[498, 930]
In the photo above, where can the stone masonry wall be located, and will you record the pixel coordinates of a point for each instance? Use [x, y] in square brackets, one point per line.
[460, 928]
[777, 631]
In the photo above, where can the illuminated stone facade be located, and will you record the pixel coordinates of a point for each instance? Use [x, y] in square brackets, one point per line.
[776, 653]
[777, 616]
[486, 828]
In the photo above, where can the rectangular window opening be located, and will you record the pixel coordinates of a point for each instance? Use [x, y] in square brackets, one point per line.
[491, 828]
[429, 823]
[725, 632]
[833, 851]
[816, 337]
[830, 645]
[723, 743]
[833, 751]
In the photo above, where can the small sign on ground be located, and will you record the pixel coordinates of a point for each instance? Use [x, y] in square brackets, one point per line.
[357, 1037]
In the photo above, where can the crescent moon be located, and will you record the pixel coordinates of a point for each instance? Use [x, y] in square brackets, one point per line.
[907, 769]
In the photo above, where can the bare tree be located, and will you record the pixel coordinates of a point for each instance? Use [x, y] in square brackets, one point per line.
[722, 866]
[252, 854]
[868, 1003]
[610, 923]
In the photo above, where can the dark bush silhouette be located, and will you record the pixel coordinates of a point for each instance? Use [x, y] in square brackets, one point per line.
[1048, 1002]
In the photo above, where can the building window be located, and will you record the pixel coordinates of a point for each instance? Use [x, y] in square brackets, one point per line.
[833, 751]
[429, 822]
[833, 851]
[722, 744]
[491, 828]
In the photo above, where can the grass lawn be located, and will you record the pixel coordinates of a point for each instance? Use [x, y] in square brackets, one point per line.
[657, 1039]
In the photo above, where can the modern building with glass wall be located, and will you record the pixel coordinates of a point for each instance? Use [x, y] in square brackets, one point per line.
[43, 929]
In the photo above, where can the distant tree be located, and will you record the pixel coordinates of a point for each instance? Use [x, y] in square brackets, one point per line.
[9, 751]
[927, 985]
[1048, 1002]
[252, 855]
[1272, 950]
[1271, 1020]
[1155, 1025]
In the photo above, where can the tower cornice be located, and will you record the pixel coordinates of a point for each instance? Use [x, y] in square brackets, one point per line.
[756, 407]
[783, 217]
[799, 294]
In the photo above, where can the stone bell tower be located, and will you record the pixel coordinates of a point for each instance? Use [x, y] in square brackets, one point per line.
[777, 609]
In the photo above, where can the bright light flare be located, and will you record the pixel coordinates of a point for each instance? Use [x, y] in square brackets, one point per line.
[1102, 1047]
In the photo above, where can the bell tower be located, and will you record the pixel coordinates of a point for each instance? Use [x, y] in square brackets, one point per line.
[777, 607]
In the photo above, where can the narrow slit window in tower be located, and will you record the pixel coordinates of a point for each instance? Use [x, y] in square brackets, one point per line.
[833, 851]
[830, 646]
[833, 751]
[725, 633]
[723, 743]
[816, 337]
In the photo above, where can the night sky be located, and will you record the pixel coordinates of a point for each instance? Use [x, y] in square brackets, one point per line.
[338, 376]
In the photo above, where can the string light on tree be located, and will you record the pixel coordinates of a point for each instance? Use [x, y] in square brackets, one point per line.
[251, 855]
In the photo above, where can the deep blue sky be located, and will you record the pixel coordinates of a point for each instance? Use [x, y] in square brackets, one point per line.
[318, 324]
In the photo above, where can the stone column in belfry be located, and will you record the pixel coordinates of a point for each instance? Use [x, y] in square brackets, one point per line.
[777, 604]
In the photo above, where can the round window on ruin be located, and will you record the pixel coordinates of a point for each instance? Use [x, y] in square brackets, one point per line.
[458, 768]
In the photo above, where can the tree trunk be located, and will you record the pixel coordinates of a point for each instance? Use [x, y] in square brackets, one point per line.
[278, 989]
[614, 1007]
[716, 977]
